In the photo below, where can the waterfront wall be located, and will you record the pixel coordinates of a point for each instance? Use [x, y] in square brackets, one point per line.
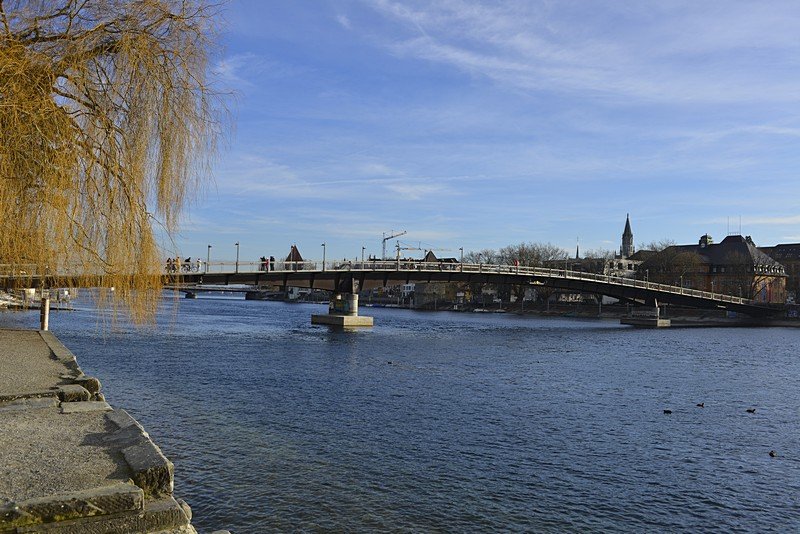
[69, 461]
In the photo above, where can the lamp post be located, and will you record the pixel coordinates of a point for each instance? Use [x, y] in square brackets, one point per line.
[208, 257]
[362, 256]
[237, 257]
[324, 249]
[647, 276]
[681, 284]
[461, 267]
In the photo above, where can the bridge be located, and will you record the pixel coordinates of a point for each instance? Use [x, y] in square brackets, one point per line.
[346, 278]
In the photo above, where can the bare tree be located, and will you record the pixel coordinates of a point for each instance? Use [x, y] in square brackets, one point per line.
[599, 253]
[742, 277]
[672, 266]
[107, 123]
[486, 255]
[532, 254]
[658, 246]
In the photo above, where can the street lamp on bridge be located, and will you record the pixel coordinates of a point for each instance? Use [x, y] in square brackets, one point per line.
[324, 249]
[208, 257]
[362, 256]
[237, 257]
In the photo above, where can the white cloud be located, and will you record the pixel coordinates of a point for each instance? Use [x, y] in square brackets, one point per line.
[229, 69]
[344, 21]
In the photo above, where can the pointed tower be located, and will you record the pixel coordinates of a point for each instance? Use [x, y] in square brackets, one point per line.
[627, 239]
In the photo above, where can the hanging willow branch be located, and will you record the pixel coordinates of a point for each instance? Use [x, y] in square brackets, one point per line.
[107, 125]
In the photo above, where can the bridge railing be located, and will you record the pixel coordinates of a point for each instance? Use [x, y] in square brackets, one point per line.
[281, 266]
[19, 270]
[198, 266]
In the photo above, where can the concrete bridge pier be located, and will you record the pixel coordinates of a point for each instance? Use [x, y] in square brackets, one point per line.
[343, 308]
[648, 316]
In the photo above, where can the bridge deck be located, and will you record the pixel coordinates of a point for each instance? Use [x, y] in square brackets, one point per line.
[349, 276]
[335, 276]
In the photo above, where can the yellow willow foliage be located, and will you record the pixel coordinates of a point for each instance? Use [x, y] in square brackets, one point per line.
[106, 130]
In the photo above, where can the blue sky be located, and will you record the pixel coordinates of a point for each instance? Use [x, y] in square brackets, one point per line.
[484, 124]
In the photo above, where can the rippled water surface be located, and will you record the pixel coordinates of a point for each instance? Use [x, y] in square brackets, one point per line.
[456, 422]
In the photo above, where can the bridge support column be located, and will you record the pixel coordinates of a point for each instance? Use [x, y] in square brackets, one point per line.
[342, 311]
[648, 316]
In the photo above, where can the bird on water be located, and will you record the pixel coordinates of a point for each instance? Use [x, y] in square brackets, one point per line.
[751, 410]
[701, 404]
[773, 454]
[667, 412]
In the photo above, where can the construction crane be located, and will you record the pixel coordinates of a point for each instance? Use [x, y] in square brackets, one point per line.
[399, 248]
[386, 238]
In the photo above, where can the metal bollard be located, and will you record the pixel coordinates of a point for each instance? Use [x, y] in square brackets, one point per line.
[44, 315]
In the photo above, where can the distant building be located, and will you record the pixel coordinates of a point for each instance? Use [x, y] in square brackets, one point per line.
[294, 260]
[788, 255]
[434, 294]
[294, 254]
[734, 266]
[430, 257]
[407, 290]
[627, 249]
[622, 265]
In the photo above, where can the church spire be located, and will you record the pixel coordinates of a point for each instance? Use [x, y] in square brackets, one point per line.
[626, 249]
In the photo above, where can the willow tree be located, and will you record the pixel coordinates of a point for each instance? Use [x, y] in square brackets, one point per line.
[106, 129]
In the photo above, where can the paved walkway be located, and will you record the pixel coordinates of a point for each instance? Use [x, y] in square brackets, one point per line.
[69, 462]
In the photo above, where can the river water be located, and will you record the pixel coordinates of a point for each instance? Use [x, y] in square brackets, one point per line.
[455, 422]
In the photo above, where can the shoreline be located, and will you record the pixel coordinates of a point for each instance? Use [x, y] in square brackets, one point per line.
[683, 318]
[69, 461]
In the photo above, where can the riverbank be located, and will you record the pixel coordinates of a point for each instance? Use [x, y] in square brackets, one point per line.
[69, 461]
[680, 317]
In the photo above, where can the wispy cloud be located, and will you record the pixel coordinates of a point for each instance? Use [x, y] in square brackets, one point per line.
[344, 22]
[570, 46]
[489, 121]
[378, 169]
[229, 69]
[780, 221]
[408, 191]
[246, 70]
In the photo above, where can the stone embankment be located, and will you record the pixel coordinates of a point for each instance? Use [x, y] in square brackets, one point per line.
[69, 462]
